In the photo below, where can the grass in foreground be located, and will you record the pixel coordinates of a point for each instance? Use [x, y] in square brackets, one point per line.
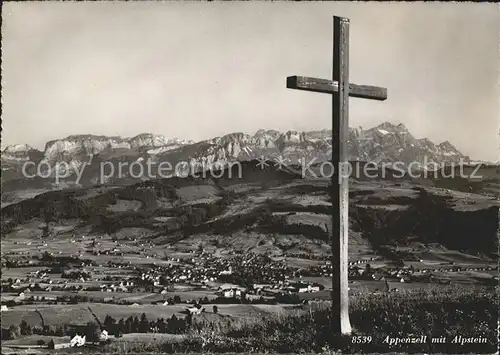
[441, 312]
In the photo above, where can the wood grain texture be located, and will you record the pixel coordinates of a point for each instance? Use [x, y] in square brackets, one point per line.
[332, 86]
[340, 188]
[340, 89]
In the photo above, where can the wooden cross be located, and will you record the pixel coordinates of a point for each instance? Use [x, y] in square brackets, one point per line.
[341, 89]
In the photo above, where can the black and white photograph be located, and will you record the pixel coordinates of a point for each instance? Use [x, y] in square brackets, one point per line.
[276, 177]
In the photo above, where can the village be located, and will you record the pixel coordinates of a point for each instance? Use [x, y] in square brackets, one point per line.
[227, 277]
[195, 270]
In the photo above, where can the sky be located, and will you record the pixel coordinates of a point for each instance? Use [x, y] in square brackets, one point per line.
[199, 70]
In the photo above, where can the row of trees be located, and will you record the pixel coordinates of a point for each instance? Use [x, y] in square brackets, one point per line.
[24, 329]
[172, 325]
[92, 331]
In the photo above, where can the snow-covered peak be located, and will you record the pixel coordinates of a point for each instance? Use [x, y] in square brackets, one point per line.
[20, 153]
[385, 142]
[448, 150]
[148, 140]
[387, 128]
[383, 131]
[17, 148]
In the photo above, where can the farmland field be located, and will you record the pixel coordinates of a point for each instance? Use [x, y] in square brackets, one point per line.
[83, 313]
[246, 257]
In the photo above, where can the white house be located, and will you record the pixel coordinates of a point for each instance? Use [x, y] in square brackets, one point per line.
[77, 341]
[194, 310]
[230, 290]
[261, 286]
[230, 293]
[301, 288]
[4, 308]
[104, 335]
[309, 288]
[227, 272]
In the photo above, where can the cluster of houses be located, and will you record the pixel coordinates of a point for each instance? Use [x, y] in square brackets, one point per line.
[402, 275]
[76, 341]
[460, 268]
[24, 285]
[206, 268]
[326, 269]
[286, 287]
[230, 291]
[274, 276]
[266, 289]
[122, 286]
[113, 251]
[200, 269]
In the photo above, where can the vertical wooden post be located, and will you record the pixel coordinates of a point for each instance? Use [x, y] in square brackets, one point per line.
[340, 193]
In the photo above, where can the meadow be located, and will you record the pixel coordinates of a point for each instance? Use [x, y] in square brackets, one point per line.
[196, 231]
[433, 312]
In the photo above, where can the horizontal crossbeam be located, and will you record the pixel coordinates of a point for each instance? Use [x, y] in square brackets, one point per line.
[329, 87]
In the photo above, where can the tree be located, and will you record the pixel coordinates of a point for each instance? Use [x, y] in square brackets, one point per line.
[161, 325]
[216, 309]
[368, 270]
[61, 330]
[177, 299]
[46, 256]
[129, 324]
[135, 325]
[93, 332]
[189, 319]
[14, 331]
[48, 330]
[118, 333]
[120, 328]
[47, 231]
[143, 324]
[163, 281]
[25, 328]
[172, 325]
[109, 323]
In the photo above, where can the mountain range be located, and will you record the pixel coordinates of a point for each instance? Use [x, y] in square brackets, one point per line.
[384, 143]
[257, 210]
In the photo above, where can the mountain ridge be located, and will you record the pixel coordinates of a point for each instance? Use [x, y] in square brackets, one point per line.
[385, 143]
[263, 138]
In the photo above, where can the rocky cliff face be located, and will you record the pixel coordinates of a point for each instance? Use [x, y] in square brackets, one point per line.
[69, 147]
[384, 143]
[19, 152]
[14, 157]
